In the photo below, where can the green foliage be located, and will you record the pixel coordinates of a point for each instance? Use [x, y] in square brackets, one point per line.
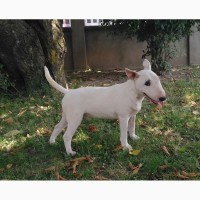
[160, 36]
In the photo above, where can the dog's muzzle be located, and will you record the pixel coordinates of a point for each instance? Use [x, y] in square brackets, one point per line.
[160, 102]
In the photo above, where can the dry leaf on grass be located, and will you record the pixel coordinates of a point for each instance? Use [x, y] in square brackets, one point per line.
[99, 177]
[72, 164]
[22, 112]
[8, 166]
[92, 128]
[118, 147]
[134, 152]
[193, 103]
[58, 177]
[164, 148]
[184, 173]
[157, 108]
[56, 173]
[53, 168]
[77, 161]
[135, 169]
[9, 120]
[195, 112]
[181, 176]
[75, 164]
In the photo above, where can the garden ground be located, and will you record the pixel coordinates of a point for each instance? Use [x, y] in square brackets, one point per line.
[168, 149]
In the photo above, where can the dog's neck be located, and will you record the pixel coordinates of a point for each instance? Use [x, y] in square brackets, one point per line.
[130, 85]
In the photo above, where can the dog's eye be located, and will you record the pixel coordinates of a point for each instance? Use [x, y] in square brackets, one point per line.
[148, 83]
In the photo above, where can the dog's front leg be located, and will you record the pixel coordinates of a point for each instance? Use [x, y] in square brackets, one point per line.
[123, 122]
[131, 128]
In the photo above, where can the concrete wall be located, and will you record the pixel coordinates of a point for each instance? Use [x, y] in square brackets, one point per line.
[104, 51]
[181, 57]
[194, 50]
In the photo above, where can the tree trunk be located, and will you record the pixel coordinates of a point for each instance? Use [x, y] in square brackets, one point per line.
[26, 46]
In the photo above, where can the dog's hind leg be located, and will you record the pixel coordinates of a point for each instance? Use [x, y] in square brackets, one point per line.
[58, 128]
[131, 128]
[71, 129]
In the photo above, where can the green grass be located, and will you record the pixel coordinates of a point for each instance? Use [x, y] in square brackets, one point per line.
[27, 155]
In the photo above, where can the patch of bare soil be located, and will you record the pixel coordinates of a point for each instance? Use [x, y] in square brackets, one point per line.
[111, 77]
[97, 78]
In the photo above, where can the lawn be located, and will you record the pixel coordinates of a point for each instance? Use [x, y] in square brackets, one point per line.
[168, 149]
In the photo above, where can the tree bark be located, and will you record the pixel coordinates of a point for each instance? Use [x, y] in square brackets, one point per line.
[26, 46]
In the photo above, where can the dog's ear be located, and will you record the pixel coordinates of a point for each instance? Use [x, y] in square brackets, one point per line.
[146, 64]
[131, 74]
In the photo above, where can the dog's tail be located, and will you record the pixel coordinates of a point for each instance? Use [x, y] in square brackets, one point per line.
[53, 83]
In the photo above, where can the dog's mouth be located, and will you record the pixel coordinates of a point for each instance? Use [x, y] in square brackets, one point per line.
[161, 103]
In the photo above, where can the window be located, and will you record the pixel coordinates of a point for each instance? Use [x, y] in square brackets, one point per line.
[88, 22]
[92, 22]
[66, 23]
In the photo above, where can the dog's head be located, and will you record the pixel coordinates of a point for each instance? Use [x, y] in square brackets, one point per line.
[147, 83]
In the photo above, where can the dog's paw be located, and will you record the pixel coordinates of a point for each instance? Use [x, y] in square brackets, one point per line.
[134, 137]
[127, 146]
[71, 153]
[52, 140]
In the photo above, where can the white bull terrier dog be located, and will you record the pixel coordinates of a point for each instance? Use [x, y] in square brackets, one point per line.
[120, 101]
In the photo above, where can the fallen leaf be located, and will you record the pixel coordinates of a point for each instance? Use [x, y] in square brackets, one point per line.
[22, 112]
[195, 112]
[184, 173]
[118, 147]
[99, 177]
[75, 164]
[3, 116]
[42, 131]
[135, 169]
[158, 108]
[181, 176]
[78, 176]
[92, 128]
[77, 161]
[57, 173]
[8, 166]
[132, 166]
[164, 148]
[9, 120]
[61, 178]
[43, 108]
[12, 133]
[58, 177]
[134, 152]
[87, 158]
[193, 103]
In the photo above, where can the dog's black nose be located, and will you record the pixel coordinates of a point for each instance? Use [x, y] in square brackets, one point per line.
[162, 99]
